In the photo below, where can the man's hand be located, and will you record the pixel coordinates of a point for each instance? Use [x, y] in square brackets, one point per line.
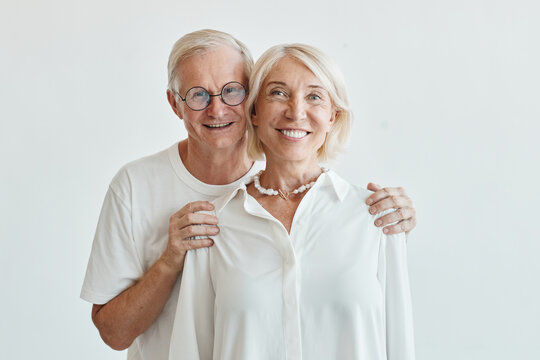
[188, 230]
[392, 198]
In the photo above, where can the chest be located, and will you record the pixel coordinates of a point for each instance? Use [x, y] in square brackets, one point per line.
[282, 209]
[331, 255]
[150, 220]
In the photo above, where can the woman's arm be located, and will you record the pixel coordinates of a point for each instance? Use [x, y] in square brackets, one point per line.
[193, 332]
[394, 276]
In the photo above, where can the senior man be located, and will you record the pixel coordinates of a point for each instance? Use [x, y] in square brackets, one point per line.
[151, 213]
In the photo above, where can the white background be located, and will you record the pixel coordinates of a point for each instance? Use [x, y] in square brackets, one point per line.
[446, 101]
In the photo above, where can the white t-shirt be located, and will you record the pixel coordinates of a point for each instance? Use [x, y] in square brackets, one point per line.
[335, 288]
[132, 233]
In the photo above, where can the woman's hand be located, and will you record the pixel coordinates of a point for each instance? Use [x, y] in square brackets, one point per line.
[392, 198]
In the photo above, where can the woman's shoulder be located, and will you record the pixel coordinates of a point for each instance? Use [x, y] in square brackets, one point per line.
[347, 190]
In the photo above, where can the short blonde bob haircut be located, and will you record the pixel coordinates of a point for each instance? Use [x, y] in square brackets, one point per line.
[198, 42]
[330, 76]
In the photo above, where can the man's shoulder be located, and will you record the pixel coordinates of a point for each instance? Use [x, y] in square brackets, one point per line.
[148, 162]
[150, 167]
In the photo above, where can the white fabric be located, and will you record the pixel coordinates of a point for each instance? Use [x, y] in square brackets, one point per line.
[335, 288]
[132, 233]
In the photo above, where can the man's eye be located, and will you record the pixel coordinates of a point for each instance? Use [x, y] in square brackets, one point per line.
[199, 94]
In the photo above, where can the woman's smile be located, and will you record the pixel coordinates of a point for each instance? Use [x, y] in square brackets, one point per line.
[294, 134]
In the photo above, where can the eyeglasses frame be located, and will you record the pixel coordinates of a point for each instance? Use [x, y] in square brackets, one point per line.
[212, 95]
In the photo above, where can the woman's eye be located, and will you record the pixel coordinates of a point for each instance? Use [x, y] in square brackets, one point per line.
[277, 93]
[314, 97]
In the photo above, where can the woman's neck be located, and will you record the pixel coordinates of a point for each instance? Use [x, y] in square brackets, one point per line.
[289, 175]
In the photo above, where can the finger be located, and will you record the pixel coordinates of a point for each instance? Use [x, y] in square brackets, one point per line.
[391, 202]
[395, 216]
[402, 226]
[193, 219]
[373, 187]
[384, 193]
[197, 244]
[193, 207]
[196, 230]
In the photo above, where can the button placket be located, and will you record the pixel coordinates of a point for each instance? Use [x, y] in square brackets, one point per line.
[291, 310]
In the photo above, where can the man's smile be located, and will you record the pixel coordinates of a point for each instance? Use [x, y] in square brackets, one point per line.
[217, 126]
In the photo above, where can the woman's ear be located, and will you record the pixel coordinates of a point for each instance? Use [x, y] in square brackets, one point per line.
[335, 113]
[254, 120]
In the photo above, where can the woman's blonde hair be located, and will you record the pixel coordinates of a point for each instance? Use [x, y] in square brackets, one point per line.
[326, 71]
[198, 42]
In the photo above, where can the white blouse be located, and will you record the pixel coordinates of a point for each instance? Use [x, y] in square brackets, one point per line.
[334, 288]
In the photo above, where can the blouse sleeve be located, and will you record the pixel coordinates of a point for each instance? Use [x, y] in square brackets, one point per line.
[395, 281]
[193, 332]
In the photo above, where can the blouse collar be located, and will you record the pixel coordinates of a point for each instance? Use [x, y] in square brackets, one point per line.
[329, 180]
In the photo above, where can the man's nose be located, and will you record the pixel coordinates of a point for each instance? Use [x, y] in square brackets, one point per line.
[216, 107]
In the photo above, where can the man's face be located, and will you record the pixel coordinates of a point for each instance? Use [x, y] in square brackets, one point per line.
[219, 126]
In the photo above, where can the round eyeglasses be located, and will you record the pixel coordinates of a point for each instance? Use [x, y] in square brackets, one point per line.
[198, 98]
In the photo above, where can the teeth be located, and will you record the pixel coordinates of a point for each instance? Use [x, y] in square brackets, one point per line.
[218, 125]
[297, 134]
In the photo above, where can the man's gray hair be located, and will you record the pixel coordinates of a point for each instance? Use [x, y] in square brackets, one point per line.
[198, 42]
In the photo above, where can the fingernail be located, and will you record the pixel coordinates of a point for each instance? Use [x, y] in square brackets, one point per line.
[209, 243]
[372, 210]
[385, 231]
[369, 201]
[378, 222]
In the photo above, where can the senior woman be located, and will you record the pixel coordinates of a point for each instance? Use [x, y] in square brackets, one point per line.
[298, 270]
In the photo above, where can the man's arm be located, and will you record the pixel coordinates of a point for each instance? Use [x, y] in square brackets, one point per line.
[392, 198]
[129, 314]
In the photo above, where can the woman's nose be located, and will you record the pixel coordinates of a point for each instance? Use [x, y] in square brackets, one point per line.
[296, 109]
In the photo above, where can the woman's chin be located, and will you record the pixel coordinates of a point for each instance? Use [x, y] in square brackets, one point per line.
[292, 158]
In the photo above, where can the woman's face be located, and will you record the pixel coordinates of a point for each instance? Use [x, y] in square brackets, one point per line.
[294, 112]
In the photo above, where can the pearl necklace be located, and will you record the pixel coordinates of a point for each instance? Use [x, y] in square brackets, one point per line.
[283, 193]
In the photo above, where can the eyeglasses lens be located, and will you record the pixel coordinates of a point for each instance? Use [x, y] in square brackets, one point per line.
[233, 94]
[197, 98]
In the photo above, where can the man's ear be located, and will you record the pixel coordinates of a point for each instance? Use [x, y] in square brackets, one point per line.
[171, 97]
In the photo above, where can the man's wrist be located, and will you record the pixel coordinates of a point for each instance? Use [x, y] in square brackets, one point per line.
[167, 267]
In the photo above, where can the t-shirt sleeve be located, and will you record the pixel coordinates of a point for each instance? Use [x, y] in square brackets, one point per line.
[193, 332]
[114, 264]
[394, 276]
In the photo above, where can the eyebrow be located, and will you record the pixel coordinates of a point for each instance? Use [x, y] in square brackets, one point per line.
[284, 84]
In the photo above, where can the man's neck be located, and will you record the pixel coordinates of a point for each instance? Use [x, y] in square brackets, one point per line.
[215, 166]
